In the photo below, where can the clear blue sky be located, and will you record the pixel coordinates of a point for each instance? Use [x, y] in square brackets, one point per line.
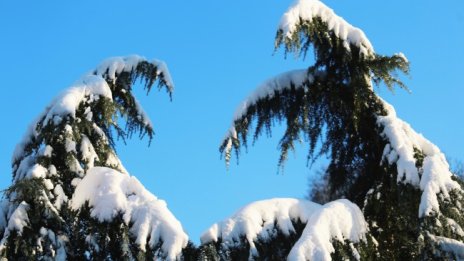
[217, 52]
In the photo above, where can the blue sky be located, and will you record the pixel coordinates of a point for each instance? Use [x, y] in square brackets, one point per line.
[217, 52]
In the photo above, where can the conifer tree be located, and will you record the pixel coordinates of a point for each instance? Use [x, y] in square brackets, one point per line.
[71, 198]
[401, 181]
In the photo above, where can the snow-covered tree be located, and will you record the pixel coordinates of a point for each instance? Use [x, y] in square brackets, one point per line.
[410, 200]
[71, 198]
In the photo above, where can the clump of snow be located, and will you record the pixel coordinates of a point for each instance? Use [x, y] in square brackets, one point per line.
[109, 193]
[52, 170]
[47, 151]
[60, 196]
[435, 176]
[37, 171]
[450, 245]
[338, 220]
[307, 10]
[88, 151]
[19, 218]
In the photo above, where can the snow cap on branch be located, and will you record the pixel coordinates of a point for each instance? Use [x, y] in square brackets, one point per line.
[307, 10]
[111, 67]
[338, 220]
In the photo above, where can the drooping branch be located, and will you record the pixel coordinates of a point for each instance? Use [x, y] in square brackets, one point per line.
[94, 102]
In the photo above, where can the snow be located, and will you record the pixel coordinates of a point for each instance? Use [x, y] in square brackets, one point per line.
[307, 10]
[52, 170]
[88, 152]
[435, 176]
[76, 167]
[110, 193]
[47, 152]
[60, 197]
[339, 220]
[48, 184]
[18, 219]
[456, 228]
[450, 245]
[37, 171]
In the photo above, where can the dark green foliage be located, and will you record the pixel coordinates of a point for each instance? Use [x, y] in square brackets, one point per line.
[240, 252]
[278, 247]
[192, 253]
[275, 248]
[391, 209]
[209, 252]
[360, 251]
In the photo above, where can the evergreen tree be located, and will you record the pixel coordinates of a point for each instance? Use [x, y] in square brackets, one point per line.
[401, 181]
[51, 212]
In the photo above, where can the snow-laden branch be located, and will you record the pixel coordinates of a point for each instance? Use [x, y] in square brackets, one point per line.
[403, 142]
[340, 220]
[110, 193]
[112, 67]
[306, 10]
[267, 90]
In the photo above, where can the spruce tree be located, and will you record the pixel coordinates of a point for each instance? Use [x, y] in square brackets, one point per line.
[46, 215]
[401, 181]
